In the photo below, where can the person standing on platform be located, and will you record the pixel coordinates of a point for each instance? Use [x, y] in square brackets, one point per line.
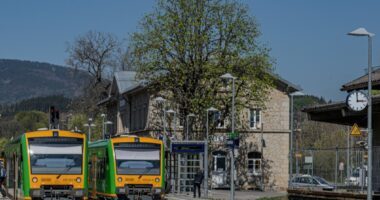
[198, 179]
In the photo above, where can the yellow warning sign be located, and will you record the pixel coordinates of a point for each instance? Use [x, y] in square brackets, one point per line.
[355, 130]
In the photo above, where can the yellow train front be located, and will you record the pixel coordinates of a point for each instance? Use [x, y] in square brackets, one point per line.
[47, 164]
[126, 167]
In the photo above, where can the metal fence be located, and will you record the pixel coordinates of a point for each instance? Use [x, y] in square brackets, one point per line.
[345, 168]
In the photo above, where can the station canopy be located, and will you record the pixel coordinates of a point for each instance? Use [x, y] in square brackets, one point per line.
[339, 113]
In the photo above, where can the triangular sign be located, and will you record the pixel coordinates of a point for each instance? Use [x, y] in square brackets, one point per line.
[355, 131]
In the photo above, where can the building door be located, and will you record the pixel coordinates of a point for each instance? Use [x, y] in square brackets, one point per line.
[219, 169]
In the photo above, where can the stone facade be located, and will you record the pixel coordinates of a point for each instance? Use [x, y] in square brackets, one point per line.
[140, 115]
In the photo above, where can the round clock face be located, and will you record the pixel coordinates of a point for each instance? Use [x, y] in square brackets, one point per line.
[357, 101]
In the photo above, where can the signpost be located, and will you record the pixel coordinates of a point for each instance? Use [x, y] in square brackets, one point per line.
[355, 131]
[233, 140]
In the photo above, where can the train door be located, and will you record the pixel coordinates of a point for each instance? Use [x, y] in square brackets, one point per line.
[13, 176]
[93, 175]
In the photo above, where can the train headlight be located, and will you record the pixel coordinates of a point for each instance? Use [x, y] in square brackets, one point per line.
[157, 180]
[34, 179]
[78, 180]
[119, 179]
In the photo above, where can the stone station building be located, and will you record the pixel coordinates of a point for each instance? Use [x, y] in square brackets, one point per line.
[133, 110]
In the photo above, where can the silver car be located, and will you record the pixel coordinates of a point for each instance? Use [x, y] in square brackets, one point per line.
[312, 182]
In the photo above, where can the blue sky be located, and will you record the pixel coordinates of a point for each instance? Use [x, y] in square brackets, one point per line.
[308, 38]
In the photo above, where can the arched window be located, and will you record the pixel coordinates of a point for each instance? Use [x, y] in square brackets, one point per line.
[254, 163]
[219, 161]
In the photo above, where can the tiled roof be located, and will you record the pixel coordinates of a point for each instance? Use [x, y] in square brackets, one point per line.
[126, 81]
[362, 82]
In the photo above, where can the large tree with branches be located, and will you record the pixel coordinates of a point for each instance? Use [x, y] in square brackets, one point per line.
[98, 54]
[184, 46]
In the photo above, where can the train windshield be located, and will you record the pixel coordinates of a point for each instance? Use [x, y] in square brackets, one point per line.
[137, 158]
[56, 155]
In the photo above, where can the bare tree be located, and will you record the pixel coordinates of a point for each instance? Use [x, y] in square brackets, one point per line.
[96, 53]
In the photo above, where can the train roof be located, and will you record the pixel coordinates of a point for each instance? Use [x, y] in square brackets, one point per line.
[121, 138]
[18, 138]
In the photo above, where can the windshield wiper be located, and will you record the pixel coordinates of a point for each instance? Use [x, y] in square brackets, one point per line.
[65, 170]
[146, 171]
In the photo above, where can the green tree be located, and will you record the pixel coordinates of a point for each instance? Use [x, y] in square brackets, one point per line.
[77, 122]
[32, 120]
[184, 46]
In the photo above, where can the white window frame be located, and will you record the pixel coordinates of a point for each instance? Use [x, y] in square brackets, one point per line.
[219, 113]
[257, 124]
[215, 161]
[254, 171]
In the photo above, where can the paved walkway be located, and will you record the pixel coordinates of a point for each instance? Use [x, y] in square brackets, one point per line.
[225, 195]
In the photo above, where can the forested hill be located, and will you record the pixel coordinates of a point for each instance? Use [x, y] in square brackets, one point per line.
[26, 79]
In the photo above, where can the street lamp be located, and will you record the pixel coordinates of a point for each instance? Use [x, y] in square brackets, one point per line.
[228, 76]
[187, 124]
[171, 111]
[161, 101]
[292, 134]
[211, 109]
[103, 123]
[105, 128]
[89, 125]
[364, 32]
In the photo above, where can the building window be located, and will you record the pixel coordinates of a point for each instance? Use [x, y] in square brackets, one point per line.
[254, 163]
[254, 118]
[218, 120]
[219, 161]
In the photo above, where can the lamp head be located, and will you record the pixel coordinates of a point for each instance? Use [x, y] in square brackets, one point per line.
[171, 111]
[159, 100]
[212, 109]
[361, 32]
[298, 93]
[191, 115]
[227, 76]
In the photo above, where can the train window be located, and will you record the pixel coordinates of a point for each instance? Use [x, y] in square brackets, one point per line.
[138, 158]
[56, 156]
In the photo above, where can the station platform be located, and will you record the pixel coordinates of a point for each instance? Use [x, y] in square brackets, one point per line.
[224, 195]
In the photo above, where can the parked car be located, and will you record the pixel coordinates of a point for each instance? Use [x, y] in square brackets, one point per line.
[312, 182]
[357, 177]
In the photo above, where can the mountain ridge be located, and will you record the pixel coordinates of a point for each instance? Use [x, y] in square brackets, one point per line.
[22, 79]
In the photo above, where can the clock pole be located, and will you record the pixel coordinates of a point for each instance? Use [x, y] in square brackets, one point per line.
[364, 32]
[369, 191]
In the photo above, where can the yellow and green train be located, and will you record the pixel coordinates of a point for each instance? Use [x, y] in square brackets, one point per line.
[47, 164]
[126, 167]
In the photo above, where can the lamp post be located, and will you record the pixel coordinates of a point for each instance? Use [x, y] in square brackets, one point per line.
[211, 109]
[187, 124]
[297, 157]
[292, 133]
[364, 32]
[228, 76]
[103, 124]
[105, 128]
[161, 101]
[89, 125]
[171, 111]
